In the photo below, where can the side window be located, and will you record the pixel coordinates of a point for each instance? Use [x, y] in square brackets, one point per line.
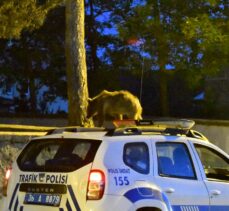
[216, 165]
[136, 156]
[174, 160]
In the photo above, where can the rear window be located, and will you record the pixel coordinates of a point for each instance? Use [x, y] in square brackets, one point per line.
[57, 155]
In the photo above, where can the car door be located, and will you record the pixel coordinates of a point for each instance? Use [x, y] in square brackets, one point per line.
[176, 174]
[215, 167]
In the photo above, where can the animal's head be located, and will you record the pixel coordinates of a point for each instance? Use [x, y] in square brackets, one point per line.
[91, 109]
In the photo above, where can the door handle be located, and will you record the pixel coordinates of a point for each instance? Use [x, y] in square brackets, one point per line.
[169, 190]
[215, 192]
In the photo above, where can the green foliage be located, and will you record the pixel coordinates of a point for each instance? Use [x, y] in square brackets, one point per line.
[190, 36]
[183, 34]
[18, 15]
[204, 29]
[37, 57]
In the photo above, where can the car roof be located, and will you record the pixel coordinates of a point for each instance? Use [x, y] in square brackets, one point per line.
[162, 127]
[76, 135]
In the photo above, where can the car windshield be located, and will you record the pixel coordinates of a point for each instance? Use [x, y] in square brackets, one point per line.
[57, 155]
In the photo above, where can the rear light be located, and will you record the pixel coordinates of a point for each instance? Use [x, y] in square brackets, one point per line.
[96, 185]
[5, 181]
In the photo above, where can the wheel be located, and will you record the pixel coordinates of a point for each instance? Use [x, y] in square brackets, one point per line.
[149, 209]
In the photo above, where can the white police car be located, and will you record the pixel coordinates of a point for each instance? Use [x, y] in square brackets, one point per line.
[154, 166]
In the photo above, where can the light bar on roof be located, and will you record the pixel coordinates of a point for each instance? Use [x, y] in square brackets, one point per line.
[169, 123]
[184, 124]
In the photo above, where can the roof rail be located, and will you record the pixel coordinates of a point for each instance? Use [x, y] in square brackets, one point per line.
[162, 126]
[75, 129]
[168, 123]
[133, 127]
[196, 134]
[142, 130]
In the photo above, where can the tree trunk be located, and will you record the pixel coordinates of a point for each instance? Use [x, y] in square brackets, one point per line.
[162, 52]
[31, 84]
[92, 38]
[33, 96]
[76, 63]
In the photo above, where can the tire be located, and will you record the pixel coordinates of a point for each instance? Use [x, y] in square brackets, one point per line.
[148, 209]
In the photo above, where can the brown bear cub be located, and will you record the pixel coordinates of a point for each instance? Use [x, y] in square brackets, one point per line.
[115, 104]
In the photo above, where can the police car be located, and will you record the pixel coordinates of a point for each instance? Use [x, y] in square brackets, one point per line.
[151, 166]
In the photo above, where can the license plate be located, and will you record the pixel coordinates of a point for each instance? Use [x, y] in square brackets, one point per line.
[42, 199]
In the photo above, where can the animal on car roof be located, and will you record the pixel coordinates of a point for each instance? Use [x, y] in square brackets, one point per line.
[115, 104]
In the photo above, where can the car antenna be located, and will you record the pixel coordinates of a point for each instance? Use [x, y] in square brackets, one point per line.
[142, 71]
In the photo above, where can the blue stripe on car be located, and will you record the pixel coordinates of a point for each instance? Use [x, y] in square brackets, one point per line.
[16, 205]
[166, 200]
[190, 207]
[137, 194]
[13, 196]
[73, 198]
[200, 207]
[68, 206]
[147, 193]
[219, 208]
